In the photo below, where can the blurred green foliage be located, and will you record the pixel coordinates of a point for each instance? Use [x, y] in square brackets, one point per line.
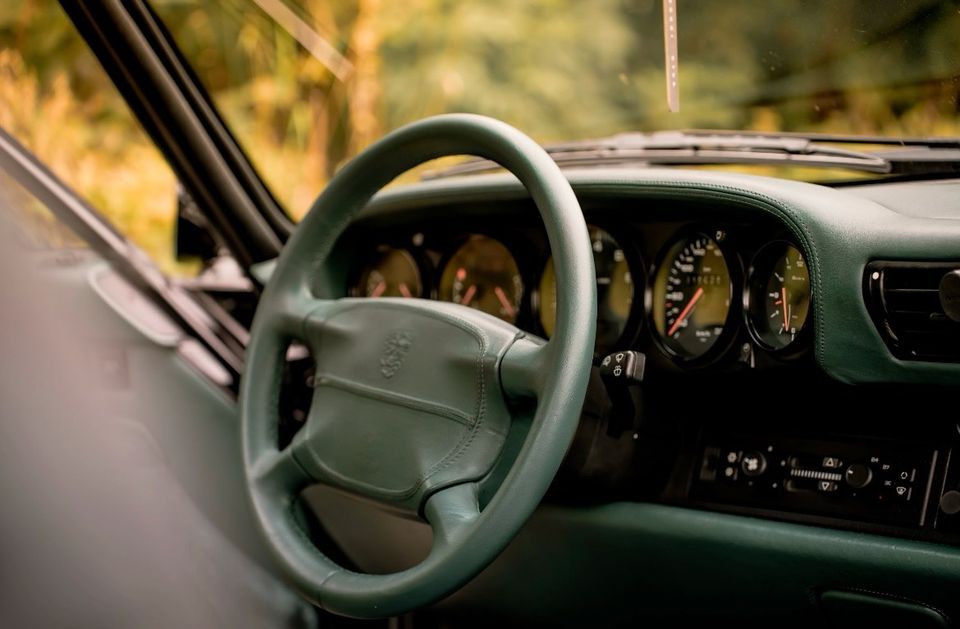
[558, 69]
[55, 98]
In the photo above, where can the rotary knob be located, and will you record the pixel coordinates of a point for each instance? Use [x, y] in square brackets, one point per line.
[858, 475]
[950, 294]
[950, 502]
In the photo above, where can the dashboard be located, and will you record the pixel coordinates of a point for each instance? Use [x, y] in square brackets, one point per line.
[799, 368]
[769, 382]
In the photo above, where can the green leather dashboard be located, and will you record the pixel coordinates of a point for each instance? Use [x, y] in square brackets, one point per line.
[652, 561]
[632, 561]
[840, 229]
[624, 563]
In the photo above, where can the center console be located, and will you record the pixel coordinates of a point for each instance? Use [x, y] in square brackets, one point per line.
[882, 482]
[875, 459]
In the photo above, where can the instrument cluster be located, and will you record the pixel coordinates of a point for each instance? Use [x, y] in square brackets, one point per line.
[703, 290]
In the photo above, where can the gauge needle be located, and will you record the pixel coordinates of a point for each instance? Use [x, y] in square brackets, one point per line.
[468, 295]
[502, 296]
[686, 311]
[783, 307]
[378, 289]
[404, 290]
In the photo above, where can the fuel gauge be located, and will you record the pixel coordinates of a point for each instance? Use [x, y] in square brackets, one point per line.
[778, 297]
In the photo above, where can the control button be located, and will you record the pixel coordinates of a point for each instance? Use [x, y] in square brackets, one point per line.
[831, 462]
[950, 502]
[730, 472]
[626, 367]
[732, 456]
[906, 476]
[827, 486]
[858, 476]
[903, 492]
[753, 464]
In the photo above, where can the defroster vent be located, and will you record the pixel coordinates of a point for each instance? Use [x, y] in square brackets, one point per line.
[904, 299]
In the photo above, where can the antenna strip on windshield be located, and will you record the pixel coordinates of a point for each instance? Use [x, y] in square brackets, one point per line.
[670, 53]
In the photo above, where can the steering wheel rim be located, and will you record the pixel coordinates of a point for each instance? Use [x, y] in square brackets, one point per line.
[293, 308]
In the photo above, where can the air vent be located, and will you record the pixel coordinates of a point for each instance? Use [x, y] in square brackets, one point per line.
[904, 301]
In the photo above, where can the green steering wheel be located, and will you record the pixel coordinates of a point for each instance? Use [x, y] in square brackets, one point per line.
[415, 398]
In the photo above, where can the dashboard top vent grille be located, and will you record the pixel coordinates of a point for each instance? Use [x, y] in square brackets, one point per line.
[904, 300]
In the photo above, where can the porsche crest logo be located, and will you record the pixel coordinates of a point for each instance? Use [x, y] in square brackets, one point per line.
[395, 349]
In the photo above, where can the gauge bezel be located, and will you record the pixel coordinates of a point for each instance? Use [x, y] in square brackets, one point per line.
[730, 326]
[635, 261]
[362, 261]
[456, 243]
[801, 342]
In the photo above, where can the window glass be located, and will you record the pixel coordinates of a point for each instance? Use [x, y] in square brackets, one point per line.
[57, 100]
[281, 77]
[35, 224]
[306, 84]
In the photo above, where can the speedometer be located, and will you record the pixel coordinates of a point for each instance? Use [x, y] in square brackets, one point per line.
[691, 296]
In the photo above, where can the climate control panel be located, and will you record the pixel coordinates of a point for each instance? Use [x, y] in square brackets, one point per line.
[885, 483]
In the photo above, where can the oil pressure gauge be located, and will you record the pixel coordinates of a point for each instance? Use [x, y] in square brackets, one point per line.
[778, 297]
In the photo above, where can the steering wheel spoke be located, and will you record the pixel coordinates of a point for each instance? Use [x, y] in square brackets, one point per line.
[451, 512]
[525, 366]
[291, 315]
[279, 470]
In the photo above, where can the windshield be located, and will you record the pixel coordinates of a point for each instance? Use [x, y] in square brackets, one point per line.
[306, 85]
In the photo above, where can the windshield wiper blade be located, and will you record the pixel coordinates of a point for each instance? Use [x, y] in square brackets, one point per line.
[671, 148]
[834, 138]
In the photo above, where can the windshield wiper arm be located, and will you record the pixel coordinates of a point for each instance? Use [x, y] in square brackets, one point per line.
[730, 147]
[836, 138]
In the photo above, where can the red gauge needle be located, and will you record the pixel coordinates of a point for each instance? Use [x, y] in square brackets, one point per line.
[378, 289]
[465, 301]
[686, 311]
[404, 290]
[783, 307]
[502, 296]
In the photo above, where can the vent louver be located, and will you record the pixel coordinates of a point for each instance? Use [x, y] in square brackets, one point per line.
[904, 301]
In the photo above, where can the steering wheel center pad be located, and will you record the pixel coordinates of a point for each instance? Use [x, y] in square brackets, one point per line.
[407, 397]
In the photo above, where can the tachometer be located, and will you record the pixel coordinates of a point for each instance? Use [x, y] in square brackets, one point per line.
[392, 273]
[482, 274]
[778, 298]
[691, 297]
[614, 291]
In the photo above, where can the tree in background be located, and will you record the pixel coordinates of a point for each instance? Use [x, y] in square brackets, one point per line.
[558, 69]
